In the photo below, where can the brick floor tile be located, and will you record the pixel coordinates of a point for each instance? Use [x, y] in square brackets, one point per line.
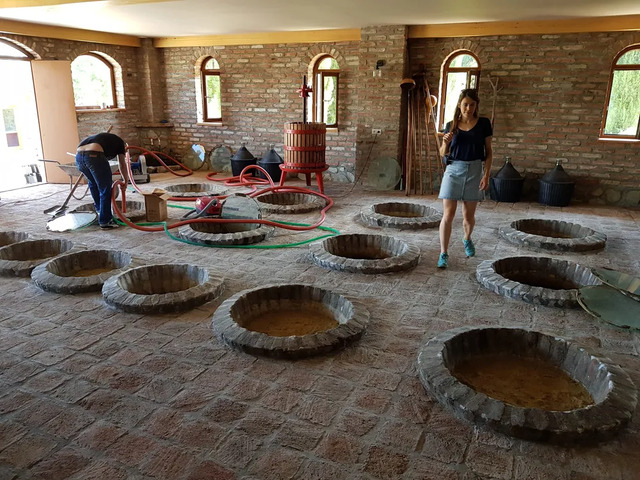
[490, 462]
[322, 470]
[52, 355]
[260, 423]
[39, 411]
[193, 399]
[183, 371]
[209, 470]
[297, 379]
[82, 340]
[101, 470]
[400, 435]
[332, 388]
[373, 399]
[10, 432]
[200, 433]
[104, 349]
[164, 423]
[60, 464]
[299, 435]
[73, 390]
[444, 447]
[132, 449]
[225, 410]
[340, 448]
[129, 380]
[21, 371]
[156, 363]
[281, 399]
[27, 450]
[80, 362]
[356, 422]
[68, 422]
[47, 380]
[247, 388]
[278, 464]
[130, 411]
[168, 462]
[29, 348]
[236, 450]
[100, 401]
[160, 389]
[99, 435]
[386, 464]
[14, 400]
[129, 356]
[317, 410]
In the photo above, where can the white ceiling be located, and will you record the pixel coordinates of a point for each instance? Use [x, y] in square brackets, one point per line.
[169, 18]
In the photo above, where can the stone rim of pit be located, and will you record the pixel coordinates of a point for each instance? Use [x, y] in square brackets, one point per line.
[50, 247]
[195, 189]
[207, 286]
[246, 237]
[374, 215]
[581, 239]
[352, 316]
[47, 276]
[294, 202]
[489, 274]
[9, 237]
[401, 255]
[613, 391]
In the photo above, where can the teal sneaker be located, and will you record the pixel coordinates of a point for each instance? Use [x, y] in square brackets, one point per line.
[469, 248]
[443, 260]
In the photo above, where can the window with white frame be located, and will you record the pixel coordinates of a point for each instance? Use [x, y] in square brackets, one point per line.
[622, 109]
[460, 71]
[93, 82]
[326, 77]
[211, 90]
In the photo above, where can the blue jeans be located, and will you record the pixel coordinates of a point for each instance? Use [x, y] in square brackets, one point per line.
[95, 166]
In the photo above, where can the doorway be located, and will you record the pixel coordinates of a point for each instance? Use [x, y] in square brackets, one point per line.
[20, 144]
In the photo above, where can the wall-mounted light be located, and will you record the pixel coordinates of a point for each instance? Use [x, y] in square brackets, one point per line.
[377, 72]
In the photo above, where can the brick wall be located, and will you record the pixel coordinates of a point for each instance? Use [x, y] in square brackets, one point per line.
[379, 98]
[124, 121]
[550, 105]
[259, 84]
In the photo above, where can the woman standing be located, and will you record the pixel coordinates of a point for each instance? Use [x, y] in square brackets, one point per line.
[467, 145]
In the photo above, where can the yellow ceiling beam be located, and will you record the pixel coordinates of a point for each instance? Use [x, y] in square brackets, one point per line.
[37, 3]
[619, 23]
[65, 33]
[309, 36]
[53, 3]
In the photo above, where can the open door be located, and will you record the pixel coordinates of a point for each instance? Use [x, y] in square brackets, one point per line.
[56, 109]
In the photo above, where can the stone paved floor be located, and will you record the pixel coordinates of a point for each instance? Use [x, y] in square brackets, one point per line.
[87, 392]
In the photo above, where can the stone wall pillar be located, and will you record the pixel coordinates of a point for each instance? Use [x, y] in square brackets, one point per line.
[380, 97]
[152, 93]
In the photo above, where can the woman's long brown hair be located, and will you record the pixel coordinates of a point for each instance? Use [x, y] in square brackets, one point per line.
[472, 93]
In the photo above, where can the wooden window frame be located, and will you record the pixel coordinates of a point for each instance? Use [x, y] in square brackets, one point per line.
[471, 72]
[204, 73]
[112, 77]
[319, 75]
[614, 68]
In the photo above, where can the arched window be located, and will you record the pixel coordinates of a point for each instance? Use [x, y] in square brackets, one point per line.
[622, 110]
[460, 71]
[93, 82]
[11, 51]
[211, 91]
[326, 74]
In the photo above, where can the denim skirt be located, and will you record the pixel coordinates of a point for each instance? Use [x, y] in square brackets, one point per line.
[461, 181]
